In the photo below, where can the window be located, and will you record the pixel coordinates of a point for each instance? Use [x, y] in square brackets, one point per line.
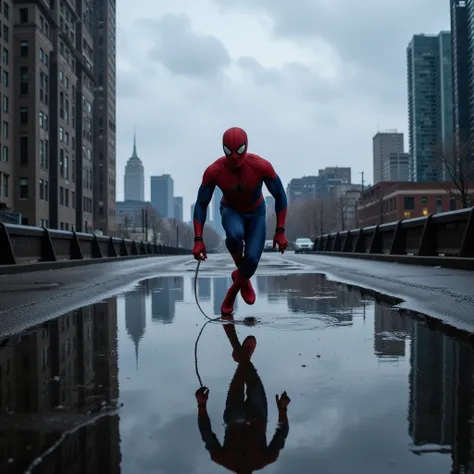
[5, 129]
[6, 33]
[41, 189]
[5, 153]
[452, 204]
[23, 188]
[5, 56]
[24, 115]
[6, 185]
[41, 152]
[24, 49]
[5, 104]
[24, 80]
[61, 163]
[23, 15]
[439, 204]
[61, 195]
[23, 151]
[408, 203]
[46, 154]
[44, 84]
[424, 200]
[5, 78]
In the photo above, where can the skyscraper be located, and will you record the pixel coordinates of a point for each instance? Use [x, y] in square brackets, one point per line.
[397, 168]
[104, 115]
[53, 56]
[7, 163]
[270, 203]
[52, 179]
[430, 103]
[134, 179]
[462, 40]
[216, 213]
[383, 145]
[178, 208]
[162, 195]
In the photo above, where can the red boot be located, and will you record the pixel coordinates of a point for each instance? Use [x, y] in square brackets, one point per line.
[227, 307]
[247, 291]
[246, 350]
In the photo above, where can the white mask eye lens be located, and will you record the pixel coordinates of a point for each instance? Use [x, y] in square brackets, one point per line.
[227, 151]
[241, 150]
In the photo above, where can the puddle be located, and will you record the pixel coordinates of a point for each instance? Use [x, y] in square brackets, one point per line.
[111, 387]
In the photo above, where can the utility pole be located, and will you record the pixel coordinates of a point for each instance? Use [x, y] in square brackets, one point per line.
[363, 182]
[145, 223]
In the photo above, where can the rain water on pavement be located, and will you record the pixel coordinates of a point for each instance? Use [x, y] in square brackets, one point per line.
[111, 388]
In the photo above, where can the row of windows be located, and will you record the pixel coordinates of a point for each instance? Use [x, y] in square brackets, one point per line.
[42, 118]
[67, 198]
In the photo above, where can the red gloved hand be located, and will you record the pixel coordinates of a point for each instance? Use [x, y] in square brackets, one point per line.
[283, 401]
[280, 239]
[202, 394]
[199, 250]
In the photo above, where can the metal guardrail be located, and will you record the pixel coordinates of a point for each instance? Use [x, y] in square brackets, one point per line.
[448, 234]
[24, 245]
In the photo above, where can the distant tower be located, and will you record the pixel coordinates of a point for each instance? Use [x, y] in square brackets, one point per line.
[134, 180]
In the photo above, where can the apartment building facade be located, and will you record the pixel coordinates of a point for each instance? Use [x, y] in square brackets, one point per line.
[7, 163]
[48, 165]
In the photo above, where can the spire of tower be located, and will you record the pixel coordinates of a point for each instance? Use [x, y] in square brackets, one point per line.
[136, 354]
[134, 154]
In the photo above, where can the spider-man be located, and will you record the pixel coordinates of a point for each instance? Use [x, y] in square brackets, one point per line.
[240, 175]
[245, 448]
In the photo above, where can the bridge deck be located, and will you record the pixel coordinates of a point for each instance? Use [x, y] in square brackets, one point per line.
[28, 298]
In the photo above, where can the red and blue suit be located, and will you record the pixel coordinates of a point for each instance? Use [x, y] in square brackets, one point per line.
[245, 447]
[240, 175]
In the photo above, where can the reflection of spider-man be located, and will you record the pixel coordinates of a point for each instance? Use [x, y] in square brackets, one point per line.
[240, 176]
[245, 447]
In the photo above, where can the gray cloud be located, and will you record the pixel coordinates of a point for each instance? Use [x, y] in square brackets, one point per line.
[184, 52]
[369, 32]
[324, 70]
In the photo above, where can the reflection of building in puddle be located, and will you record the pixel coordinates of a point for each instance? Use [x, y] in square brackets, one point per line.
[431, 387]
[135, 314]
[441, 402]
[165, 293]
[220, 285]
[203, 287]
[390, 332]
[264, 287]
[314, 294]
[51, 378]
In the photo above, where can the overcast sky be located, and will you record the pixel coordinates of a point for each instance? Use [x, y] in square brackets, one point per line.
[311, 81]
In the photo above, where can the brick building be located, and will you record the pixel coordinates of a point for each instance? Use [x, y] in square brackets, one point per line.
[393, 201]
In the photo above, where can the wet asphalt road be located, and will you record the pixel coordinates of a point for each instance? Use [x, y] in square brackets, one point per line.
[111, 387]
[33, 297]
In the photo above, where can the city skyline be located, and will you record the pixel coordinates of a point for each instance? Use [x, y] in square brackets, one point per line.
[94, 209]
[339, 94]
